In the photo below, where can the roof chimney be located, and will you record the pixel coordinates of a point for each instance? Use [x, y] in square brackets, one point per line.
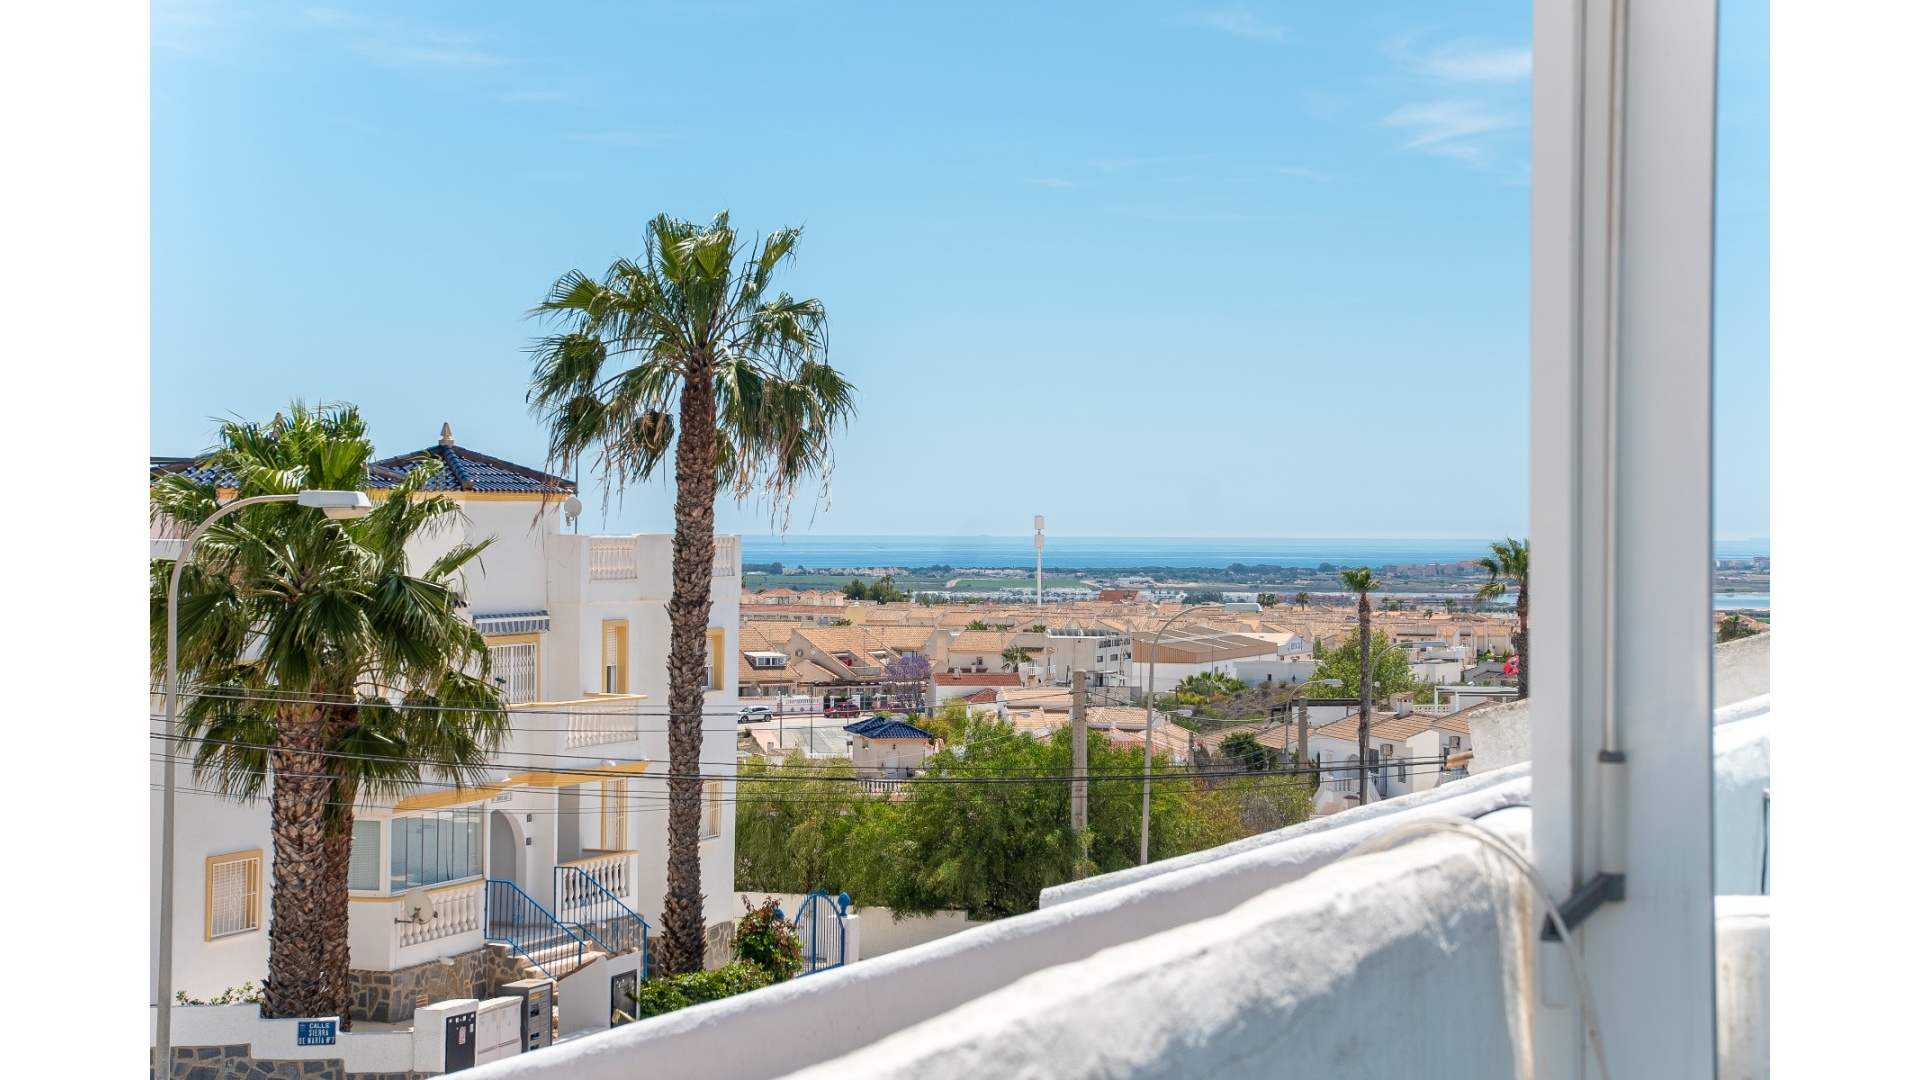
[446, 434]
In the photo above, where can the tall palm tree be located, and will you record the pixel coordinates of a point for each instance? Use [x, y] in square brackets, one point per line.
[1506, 568]
[318, 667]
[689, 352]
[1360, 581]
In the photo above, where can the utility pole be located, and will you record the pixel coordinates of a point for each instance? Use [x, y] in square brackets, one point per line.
[1300, 742]
[1078, 714]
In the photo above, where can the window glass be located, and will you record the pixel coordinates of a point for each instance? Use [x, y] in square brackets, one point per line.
[434, 847]
[363, 866]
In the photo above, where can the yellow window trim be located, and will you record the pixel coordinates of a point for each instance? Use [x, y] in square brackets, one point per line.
[717, 650]
[618, 663]
[258, 857]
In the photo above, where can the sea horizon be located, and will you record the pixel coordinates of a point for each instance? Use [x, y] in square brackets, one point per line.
[1101, 552]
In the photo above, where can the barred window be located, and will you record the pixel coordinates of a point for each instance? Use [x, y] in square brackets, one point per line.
[233, 893]
[516, 671]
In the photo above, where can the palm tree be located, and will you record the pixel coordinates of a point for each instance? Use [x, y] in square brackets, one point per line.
[688, 353]
[1302, 599]
[319, 668]
[1506, 568]
[1360, 581]
[1012, 657]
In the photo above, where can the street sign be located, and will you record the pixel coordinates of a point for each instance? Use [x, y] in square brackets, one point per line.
[315, 1033]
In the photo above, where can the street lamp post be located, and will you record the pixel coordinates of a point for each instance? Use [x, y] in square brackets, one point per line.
[1146, 791]
[336, 504]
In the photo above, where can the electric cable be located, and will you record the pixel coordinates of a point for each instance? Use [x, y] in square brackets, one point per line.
[1459, 826]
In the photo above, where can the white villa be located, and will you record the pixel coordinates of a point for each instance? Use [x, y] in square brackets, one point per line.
[555, 861]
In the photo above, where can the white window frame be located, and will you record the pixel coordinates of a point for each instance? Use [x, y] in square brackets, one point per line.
[1620, 501]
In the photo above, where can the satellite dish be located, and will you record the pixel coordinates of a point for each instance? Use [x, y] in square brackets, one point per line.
[418, 907]
[571, 508]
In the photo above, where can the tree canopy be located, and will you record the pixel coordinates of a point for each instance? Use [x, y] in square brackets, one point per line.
[1391, 673]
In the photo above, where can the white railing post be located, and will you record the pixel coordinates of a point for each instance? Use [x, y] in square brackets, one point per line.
[612, 558]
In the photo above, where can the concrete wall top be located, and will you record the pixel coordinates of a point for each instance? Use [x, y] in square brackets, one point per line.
[1074, 890]
[801, 1022]
[1381, 966]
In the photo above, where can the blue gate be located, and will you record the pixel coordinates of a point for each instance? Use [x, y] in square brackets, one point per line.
[822, 926]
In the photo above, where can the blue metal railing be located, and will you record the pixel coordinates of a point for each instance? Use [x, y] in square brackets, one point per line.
[518, 920]
[822, 926]
[596, 912]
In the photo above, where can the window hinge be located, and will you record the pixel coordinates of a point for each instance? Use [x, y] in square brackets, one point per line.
[1604, 888]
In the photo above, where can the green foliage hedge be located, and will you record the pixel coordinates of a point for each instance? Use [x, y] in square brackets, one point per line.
[658, 996]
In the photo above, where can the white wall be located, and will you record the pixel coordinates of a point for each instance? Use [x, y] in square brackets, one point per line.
[773, 1031]
[1387, 965]
[205, 826]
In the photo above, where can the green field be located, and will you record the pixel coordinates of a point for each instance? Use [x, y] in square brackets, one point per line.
[1014, 583]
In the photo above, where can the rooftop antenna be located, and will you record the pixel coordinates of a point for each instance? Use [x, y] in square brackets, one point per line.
[1039, 543]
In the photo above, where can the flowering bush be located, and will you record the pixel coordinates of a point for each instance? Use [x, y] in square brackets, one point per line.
[767, 940]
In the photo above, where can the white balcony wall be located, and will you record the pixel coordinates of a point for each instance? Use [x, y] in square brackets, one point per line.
[802, 1022]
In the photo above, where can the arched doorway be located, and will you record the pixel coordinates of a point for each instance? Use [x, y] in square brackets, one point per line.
[503, 847]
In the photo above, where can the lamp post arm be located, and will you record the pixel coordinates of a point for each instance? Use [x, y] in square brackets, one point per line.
[163, 1020]
[1146, 787]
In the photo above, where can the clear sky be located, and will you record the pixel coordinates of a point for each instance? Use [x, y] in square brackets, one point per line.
[1146, 268]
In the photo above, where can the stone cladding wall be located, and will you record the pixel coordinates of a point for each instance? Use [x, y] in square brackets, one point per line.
[238, 1063]
[390, 996]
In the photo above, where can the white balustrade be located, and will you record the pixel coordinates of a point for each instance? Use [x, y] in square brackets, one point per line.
[457, 910]
[609, 868]
[612, 558]
[726, 556]
[597, 723]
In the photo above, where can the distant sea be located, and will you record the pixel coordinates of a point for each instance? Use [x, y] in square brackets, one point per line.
[1098, 552]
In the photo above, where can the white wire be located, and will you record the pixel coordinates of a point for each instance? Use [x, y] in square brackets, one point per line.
[1459, 826]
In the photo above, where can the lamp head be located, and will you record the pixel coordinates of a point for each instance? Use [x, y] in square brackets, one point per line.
[338, 505]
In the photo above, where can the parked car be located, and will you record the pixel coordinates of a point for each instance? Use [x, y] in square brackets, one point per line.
[841, 709]
[755, 713]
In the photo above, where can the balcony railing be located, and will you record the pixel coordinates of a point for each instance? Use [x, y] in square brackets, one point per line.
[612, 558]
[609, 869]
[594, 721]
[726, 556]
[457, 909]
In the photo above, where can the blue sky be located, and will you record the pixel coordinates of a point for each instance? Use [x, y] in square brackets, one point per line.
[1148, 269]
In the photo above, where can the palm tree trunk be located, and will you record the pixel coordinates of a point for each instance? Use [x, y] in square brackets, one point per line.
[334, 958]
[296, 978]
[1520, 640]
[1366, 695]
[335, 955]
[683, 914]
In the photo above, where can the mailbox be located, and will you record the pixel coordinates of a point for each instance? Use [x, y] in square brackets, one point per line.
[538, 1020]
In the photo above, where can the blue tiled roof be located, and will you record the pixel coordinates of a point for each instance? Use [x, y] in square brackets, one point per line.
[886, 727]
[462, 470]
[466, 470]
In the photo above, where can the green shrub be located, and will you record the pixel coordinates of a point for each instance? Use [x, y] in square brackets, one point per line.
[765, 939]
[657, 996]
[244, 994]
